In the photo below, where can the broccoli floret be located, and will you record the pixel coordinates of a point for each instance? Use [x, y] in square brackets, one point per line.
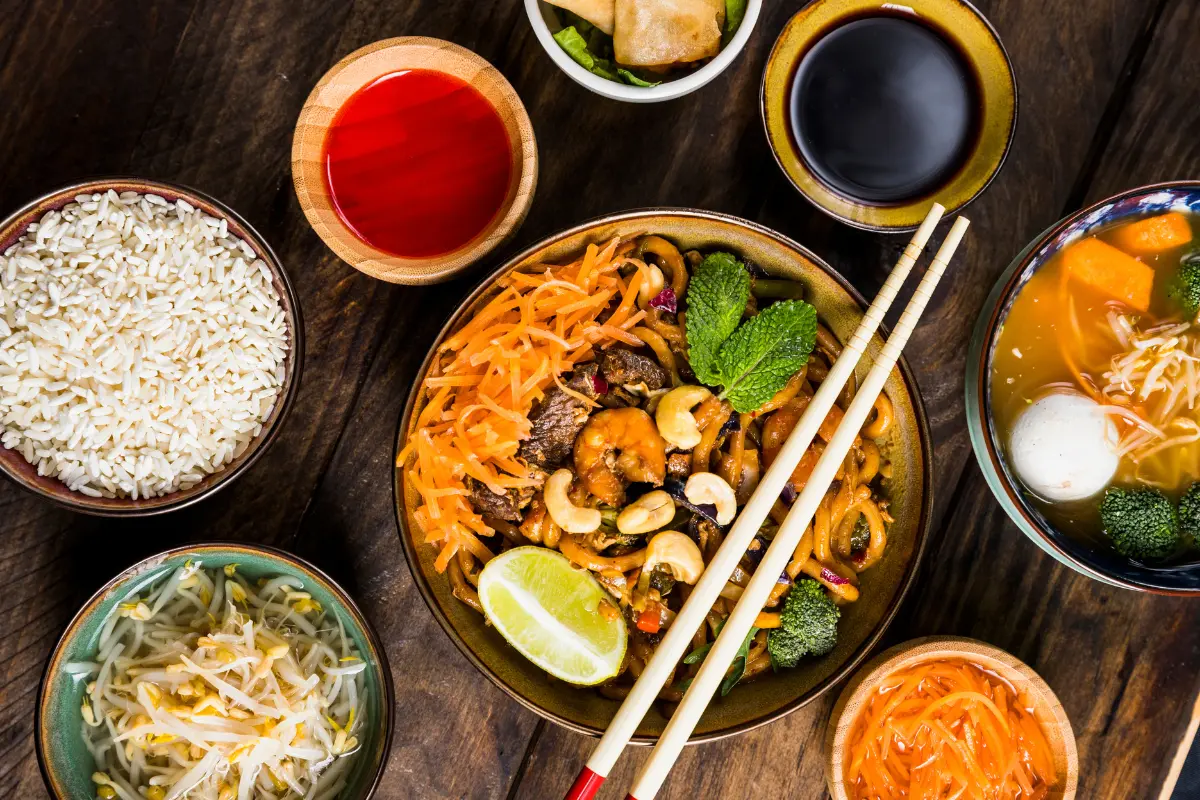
[808, 625]
[1184, 288]
[1140, 522]
[1189, 512]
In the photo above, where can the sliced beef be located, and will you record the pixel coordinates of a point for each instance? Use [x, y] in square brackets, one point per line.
[557, 420]
[507, 506]
[620, 367]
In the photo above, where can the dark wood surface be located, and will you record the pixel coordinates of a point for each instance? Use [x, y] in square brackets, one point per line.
[206, 92]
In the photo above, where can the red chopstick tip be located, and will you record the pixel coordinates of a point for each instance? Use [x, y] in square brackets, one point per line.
[586, 786]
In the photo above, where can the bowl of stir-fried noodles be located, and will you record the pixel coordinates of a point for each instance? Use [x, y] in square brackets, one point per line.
[558, 365]
[216, 671]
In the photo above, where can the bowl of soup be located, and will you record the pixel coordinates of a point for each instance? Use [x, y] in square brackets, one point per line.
[1083, 389]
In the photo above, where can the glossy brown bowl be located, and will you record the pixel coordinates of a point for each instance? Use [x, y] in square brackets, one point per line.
[14, 465]
[363, 67]
[883, 587]
[1047, 710]
[970, 33]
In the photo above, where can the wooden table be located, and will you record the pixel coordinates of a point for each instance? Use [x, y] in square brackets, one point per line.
[206, 92]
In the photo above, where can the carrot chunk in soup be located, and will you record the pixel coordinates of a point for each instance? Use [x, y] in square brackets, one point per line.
[1154, 234]
[1108, 270]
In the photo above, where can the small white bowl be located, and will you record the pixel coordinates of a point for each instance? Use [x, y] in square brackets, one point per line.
[545, 23]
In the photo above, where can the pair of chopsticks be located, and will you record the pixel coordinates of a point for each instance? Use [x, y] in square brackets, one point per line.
[689, 619]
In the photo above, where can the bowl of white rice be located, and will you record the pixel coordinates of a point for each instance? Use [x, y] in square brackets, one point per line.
[150, 346]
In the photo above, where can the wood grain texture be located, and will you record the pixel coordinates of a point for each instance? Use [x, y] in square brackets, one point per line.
[208, 94]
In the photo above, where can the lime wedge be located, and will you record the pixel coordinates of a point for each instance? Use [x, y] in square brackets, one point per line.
[547, 609]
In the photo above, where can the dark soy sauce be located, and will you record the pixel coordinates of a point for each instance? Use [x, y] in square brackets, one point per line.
[883, 109]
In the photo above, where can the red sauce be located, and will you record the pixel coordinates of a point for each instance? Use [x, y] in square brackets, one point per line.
[418, 163]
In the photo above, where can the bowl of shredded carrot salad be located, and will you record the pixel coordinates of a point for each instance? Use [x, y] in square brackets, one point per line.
[587, 329]
[946, 717]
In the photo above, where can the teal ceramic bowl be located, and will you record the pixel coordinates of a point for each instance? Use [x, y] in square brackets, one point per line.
[66, 764]
[1084, 557]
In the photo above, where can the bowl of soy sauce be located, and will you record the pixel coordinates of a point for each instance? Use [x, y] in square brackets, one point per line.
[875, 110]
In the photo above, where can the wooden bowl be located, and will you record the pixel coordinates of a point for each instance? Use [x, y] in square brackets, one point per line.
[908, 447]
[1047, 709]
[361, 68]
[14, 465]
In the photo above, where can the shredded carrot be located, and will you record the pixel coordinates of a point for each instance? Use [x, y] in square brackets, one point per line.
[490, 373]
[947, 729]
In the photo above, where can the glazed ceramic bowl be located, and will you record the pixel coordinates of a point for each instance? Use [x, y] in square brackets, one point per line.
[907, 446]
[66, 764]
[545, 21]
[956, 21]
[363, 67]
[14, 465]
[1047, 709]
[1089, 559]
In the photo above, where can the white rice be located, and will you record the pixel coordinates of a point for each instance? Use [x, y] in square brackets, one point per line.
[141, 345]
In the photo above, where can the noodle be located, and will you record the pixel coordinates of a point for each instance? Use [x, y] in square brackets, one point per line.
[496, 369]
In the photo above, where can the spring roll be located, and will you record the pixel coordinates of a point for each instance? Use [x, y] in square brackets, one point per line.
[655, 33]
[598, 12]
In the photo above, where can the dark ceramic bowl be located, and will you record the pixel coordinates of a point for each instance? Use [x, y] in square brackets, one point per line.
[66, 764]
[883, 587]
[1103, 564]
[956, 21]
[14, 465]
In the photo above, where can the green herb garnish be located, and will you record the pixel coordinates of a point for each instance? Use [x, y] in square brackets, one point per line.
[751, 362]
[716, 298]
[634, 80]
[592, 48]
[735, 12]
[570, 40]
[737, 669]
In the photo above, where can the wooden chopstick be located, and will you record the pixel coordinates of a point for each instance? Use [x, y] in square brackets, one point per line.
[706, 591]
[741, 619]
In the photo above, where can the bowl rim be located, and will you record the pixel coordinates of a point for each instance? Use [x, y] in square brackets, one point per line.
[667, 90]
[388, 701]
[310, 183]
[289, 390]
[900, 656]
[987, 451]
[923, 526]
[920, 202]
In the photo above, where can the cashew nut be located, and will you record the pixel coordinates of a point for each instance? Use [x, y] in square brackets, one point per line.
[650, 288]
[651, 511]
[708, 487]
[674, 415]
[678, 553]
[566, 515]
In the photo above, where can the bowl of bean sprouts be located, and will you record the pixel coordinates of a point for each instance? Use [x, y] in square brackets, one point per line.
[216, 672]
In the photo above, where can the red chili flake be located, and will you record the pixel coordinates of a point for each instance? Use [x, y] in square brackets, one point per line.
[599, 385]
[665, 301]
[829, 576]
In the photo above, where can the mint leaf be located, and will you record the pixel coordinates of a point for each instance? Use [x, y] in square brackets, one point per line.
[735, 11]
[576, 47]
[634, 80]
[757, 360]
[716, 298]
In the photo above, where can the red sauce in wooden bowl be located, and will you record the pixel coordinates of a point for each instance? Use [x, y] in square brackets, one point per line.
[418, 163]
